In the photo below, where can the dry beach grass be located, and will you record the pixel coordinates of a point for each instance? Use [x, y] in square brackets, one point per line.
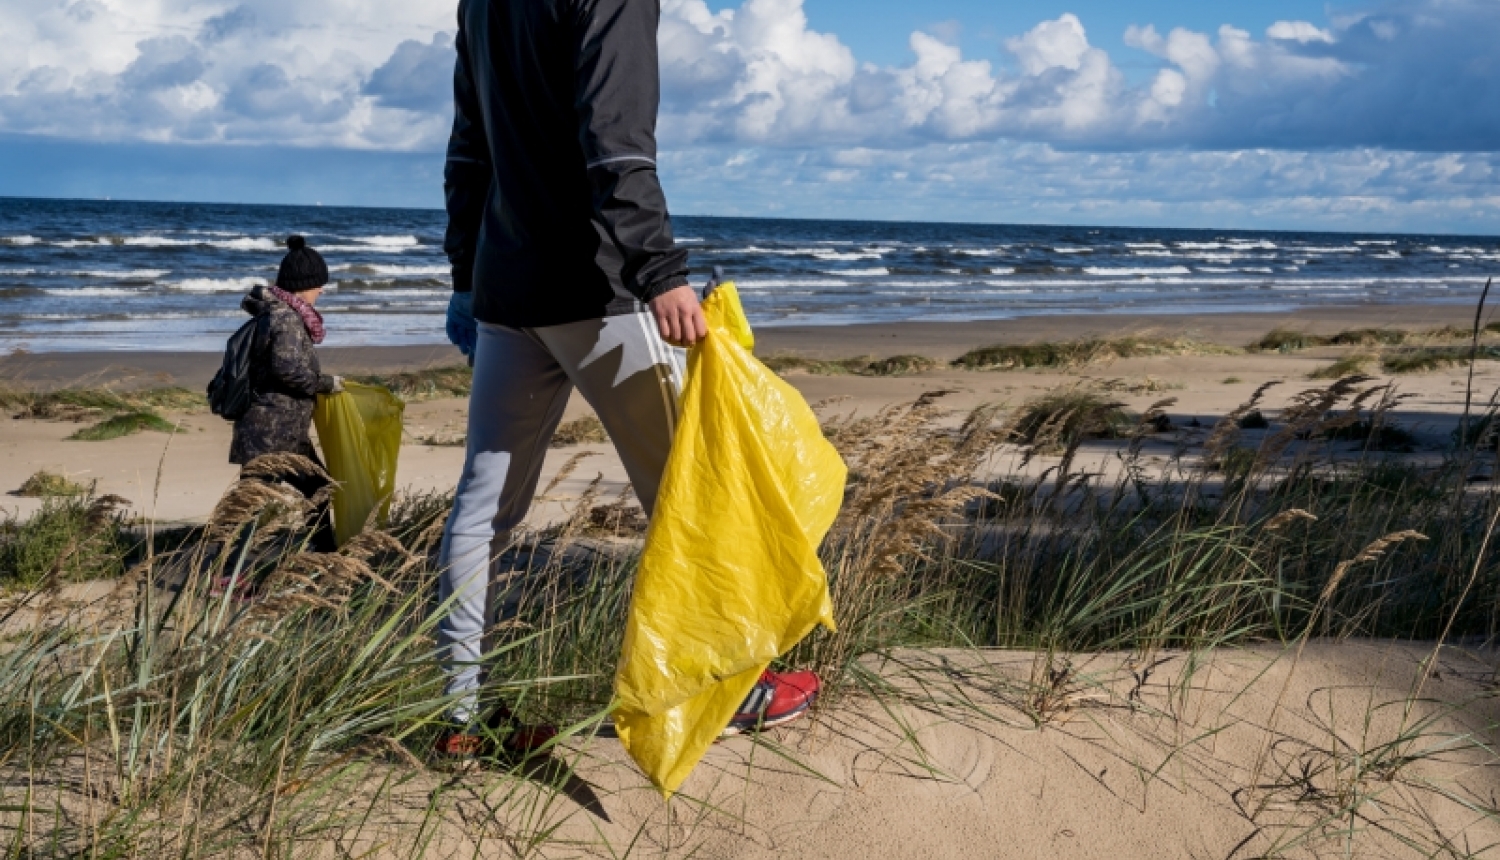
[1070, 626]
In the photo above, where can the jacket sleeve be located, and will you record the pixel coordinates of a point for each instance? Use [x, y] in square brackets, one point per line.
[291, 364]
[618, 90]
[467, 175]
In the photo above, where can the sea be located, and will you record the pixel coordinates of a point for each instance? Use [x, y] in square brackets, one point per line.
[110, 275]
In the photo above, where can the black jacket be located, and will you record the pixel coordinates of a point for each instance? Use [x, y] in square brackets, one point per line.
[555, 214]
[285, 381]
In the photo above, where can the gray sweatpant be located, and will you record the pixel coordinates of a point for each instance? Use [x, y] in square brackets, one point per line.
[522, 380]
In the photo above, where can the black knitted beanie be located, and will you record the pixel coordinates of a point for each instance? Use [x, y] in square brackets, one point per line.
[302, 268]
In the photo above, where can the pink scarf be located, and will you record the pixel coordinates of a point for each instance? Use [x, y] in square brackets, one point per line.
[310, 316]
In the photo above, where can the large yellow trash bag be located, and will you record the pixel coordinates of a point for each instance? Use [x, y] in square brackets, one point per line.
[360, 430]
[729, 578]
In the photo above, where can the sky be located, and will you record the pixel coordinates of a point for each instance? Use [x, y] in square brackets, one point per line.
[1368, 115]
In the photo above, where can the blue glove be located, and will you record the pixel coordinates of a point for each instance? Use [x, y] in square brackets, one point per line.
[463, 332]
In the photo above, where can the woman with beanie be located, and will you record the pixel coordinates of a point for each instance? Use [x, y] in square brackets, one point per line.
[285, 375]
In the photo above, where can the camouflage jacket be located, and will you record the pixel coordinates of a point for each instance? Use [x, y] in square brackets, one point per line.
[285, 379]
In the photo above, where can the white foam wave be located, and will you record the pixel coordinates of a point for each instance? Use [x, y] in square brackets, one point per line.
[91, 292]
[1152, 252]
[978, 252]
[876, 272]
[388, 241]
[1374, 242]
[1107, 271]
[363, 249]
[1258, 270]
[246, 243]
[688, 240]
[395, 270]
[1146, 246]
[132, 275]
[17, 272]
[214, 285]
[1003, 270]
[1069, 249]
[401, 292]
[775, 283]
[19, 241]
[1339, 249]
[153, 242]
[843, 257]
[1229, 245]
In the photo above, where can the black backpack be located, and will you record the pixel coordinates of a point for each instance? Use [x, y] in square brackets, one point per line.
[229, 394]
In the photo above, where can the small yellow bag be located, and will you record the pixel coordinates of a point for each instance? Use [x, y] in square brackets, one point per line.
[730, 578]
[360, 431]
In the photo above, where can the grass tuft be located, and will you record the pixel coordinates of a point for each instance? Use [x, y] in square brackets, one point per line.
[1066, 416]
[581, 431]
[45, 484]
[128, 424]
[87, 404]
[1349, 365]
[433, 383]
[1078, 353]
[896, 365]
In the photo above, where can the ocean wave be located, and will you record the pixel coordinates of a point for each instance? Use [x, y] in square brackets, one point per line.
[246, 243]
[979, 252]
[1146, 246]
[400, 292]
[1227, 245]
[1107, 271]
[388, 241]
[17, 273]
[1070, 249]
[1003, 270]
[776, 283]
[90, 292]
[214, 285]
[843, 257]
[688, 240]
[365, 249]
[1337, 249]
[1374, 242]
[20, 241]
[876, 272]
[154, 242]
[374, 269]
[132, 275]
[1152, 252]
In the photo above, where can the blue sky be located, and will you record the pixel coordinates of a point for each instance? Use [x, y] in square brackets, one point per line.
[1372, 115]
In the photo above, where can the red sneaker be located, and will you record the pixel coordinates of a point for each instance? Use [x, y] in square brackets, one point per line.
[777, 699]
[516, 740]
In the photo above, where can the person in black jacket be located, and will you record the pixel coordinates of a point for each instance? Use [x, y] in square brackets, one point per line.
[565, 275]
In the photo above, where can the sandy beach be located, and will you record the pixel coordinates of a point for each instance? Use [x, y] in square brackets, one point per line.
[178, 478]
[1259, 749]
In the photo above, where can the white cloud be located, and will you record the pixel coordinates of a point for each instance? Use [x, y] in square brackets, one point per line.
[756, 83]
[1298, 31]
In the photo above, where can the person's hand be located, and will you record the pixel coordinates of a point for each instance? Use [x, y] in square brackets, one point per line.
[463, 332]
[338, 385]
[679, 317]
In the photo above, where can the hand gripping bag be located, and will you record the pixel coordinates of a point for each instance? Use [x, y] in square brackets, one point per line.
[729, 578]
[360, 431]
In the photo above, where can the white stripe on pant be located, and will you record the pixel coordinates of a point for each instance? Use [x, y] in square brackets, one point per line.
[522, 380]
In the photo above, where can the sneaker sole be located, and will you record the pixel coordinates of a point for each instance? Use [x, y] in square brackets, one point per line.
[761, 725]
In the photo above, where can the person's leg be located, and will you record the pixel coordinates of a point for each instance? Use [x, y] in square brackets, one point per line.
[632, 379]
[516, 402]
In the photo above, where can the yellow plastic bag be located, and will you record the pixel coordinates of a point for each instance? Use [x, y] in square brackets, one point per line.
[360, 430]
[729, 578]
